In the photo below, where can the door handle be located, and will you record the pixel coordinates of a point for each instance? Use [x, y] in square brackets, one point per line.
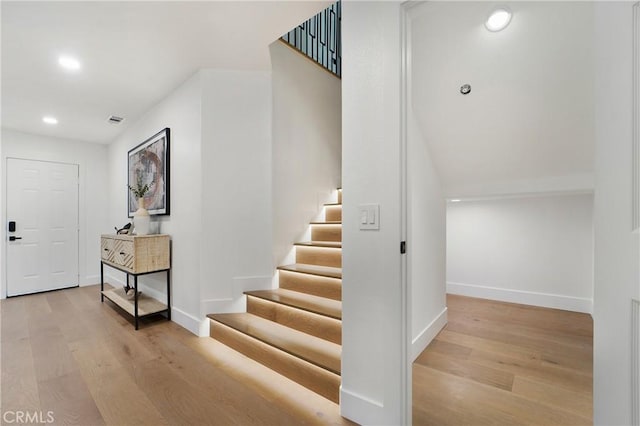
[12, 238]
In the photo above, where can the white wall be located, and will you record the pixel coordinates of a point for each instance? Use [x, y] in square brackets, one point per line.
[527, 125]
[93, 195]
[426, 227]
[181, 112]
[374, 348]
[534, 250]
[236, 182]
[426, 239]
[220, 221]
[307, 149]
[617, 250]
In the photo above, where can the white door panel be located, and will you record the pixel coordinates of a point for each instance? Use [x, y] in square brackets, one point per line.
[42, 198]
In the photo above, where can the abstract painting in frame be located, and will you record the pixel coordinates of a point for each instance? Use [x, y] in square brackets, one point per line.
[149, 164]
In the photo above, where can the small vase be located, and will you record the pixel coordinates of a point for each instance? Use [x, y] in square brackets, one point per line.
[141, 219]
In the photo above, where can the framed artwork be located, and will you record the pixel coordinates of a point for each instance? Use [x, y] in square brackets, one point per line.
[149, 164]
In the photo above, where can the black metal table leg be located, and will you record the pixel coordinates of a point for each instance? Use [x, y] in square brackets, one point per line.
[135, 297]
[101, 281]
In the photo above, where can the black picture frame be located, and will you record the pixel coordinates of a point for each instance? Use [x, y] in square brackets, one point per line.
[149, 163]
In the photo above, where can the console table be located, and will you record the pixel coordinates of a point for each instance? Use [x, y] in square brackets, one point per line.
[136, 255]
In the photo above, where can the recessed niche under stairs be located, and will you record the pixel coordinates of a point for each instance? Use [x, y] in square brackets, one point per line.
[296, 329]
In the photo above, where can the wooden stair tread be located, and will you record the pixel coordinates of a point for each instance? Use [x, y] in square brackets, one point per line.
[310, 348]
[323, 271]
[332, 204]
[318, 305]
[327, 244]
[327, 223]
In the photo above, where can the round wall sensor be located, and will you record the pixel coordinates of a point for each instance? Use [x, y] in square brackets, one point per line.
[465, 89]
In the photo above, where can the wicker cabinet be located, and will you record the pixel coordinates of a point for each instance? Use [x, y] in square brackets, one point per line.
[136, 255]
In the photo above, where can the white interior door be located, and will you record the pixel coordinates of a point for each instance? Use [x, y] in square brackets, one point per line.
[42, 200]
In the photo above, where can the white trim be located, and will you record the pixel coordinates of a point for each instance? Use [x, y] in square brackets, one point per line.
[238, 301]
[406, 370]
[366, 410]
[109, 278]
[152, 292]
[425, 337]
[224, 306]
[199, 327]
[524, 195]
[635, 325]
[251, 283]
[545, 300]
[555, 185]
[635, 362]
[636, 121]
[90, 280]
[4, 273]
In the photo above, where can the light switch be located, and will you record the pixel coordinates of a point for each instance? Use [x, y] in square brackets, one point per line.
[363, 217]
[369, 216]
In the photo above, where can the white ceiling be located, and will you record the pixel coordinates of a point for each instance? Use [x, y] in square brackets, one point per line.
[529, 116]
[133, 54]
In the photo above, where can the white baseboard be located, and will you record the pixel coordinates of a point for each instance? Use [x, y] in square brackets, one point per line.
[360, 409]
[545, 300]
[242, 284]
[199, 327]
[90, 280]
[425, 337]
[196, 326]
[223, 306]
[118, 281]
[109, 278]
[237, 303]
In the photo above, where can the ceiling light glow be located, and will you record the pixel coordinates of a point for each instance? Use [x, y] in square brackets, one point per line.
[498, 20]
[69, 63]
[455, 200]
[50, 120]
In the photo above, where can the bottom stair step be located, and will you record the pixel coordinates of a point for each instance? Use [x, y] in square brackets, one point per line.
[308, 360]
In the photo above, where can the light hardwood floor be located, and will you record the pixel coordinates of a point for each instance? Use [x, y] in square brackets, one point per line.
[506, 364]
[67, 353]
[494, 363]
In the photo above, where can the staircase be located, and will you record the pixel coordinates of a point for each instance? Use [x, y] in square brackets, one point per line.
[296, 329]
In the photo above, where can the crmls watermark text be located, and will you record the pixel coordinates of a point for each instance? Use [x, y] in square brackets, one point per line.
[20, 416]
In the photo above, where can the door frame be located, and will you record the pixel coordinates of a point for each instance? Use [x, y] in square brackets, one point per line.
[3, 234]
[635, 356]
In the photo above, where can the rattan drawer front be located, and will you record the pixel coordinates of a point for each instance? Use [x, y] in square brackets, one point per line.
[123, 254]
[106, 246]
[137, 254]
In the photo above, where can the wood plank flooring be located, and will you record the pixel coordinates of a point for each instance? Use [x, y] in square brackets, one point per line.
[506, 364]
[495, 363]
[66, 352]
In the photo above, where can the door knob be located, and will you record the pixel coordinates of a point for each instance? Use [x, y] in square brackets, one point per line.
[12, 238]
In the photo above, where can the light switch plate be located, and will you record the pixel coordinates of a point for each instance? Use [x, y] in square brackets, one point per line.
[369, 215]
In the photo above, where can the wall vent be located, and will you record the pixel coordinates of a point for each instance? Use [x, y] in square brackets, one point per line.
[635, 363]
[114, 119]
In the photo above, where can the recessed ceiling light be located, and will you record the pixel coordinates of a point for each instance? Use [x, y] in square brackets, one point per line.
[50, 120]
[455, 200]
[69, 63]
[498, 20]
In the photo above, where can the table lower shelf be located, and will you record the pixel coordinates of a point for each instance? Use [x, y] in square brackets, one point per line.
[146, 305]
